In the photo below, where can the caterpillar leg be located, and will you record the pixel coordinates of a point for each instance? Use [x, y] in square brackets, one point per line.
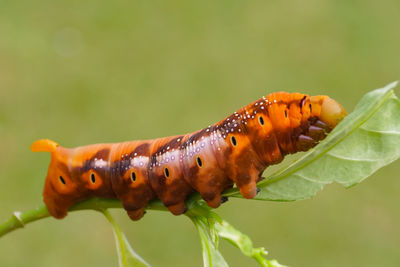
[249, 190]
[136, 214]
[247, 182]
[56, 205]
[177, 209]
[214, 202]
[224, 199]
[57, 208]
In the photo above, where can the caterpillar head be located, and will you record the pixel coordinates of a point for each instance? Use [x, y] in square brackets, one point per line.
[60, 188]
[327, 110]
[322, 114]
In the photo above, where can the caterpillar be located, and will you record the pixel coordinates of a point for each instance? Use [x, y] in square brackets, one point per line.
[236, 150]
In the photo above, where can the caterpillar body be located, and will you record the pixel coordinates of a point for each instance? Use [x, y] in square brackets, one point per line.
[236, 150]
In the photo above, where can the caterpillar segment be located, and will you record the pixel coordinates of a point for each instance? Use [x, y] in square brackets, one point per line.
[130, 176]
[201, 160]
[166, 174]
[236, 150]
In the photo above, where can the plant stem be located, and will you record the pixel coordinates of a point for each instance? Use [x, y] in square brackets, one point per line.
[119, 238]
[20, 219]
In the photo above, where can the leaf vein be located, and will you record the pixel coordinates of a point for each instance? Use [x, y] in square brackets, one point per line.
[308, 178]
[349, 158]
[394, 132]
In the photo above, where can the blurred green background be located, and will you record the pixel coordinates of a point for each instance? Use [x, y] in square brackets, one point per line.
[82, 72]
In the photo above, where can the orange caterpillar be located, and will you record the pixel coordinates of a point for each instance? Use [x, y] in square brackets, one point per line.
[235, 150]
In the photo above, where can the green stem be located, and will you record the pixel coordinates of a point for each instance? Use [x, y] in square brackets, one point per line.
[20, 219]
[119, 239]
[197, 211]
[261, 260]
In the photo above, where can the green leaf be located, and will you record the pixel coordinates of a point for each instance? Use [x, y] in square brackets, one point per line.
[244, 243]
[127, 257]
[211, 255]
[366, 140]
[211, 226]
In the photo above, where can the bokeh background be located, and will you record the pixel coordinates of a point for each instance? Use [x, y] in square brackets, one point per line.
[82, 72]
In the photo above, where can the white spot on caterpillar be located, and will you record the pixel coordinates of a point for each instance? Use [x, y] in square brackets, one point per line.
[140, 161]
[100, 163]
